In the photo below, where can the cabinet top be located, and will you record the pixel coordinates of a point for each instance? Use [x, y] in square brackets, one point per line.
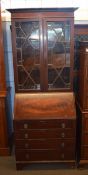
[83, 47]
[83, 43]
[23, 10]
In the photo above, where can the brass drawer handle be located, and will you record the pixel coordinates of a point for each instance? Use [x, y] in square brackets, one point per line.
[86, 74]
[86, 49]
[62, 145]
[26, 136]
[62, 156]
[27, 156]
[26, 145]
[63, 125]
[62, 134]
[25, 126]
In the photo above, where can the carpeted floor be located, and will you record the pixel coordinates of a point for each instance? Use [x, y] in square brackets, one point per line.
[7, 166]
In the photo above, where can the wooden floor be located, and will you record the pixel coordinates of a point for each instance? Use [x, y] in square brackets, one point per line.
[7, 166]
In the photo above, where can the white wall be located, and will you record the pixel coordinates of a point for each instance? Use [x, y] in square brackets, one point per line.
[80, 15]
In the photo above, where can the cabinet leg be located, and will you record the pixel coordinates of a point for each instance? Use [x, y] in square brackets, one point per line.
[83, 165]
[19, 166]
[74, 166]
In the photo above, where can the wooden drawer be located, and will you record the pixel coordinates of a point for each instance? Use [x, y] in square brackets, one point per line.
[85, 139]
[86, 96]
[85, 123]
[44, 155]
[43, 124]
[84, 152]
[45, 133]
[45, 144]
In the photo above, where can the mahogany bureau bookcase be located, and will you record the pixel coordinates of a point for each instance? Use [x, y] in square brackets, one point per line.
[44, 113]
[82, 103]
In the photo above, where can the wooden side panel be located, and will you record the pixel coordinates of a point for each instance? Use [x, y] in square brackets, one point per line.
[81, 80]
[4, 150]
[83, 76]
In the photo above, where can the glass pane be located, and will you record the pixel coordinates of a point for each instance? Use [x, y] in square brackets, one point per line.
[58, 35]
[28, 54]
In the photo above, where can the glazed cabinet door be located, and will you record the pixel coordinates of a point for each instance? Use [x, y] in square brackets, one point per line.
[58, 46]
[27, 50]
[43, 54]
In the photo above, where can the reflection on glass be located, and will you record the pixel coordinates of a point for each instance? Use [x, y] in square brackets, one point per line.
[28, 54]
[34, 39]
[58, 55]
[58, 35]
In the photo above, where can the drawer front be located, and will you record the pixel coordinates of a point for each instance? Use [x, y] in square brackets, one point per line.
[45, 133]
[84, 152]
[85, 139]
[44, 124]
[85, 123]
[44, 155]
[45, 144]
[86, 98]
